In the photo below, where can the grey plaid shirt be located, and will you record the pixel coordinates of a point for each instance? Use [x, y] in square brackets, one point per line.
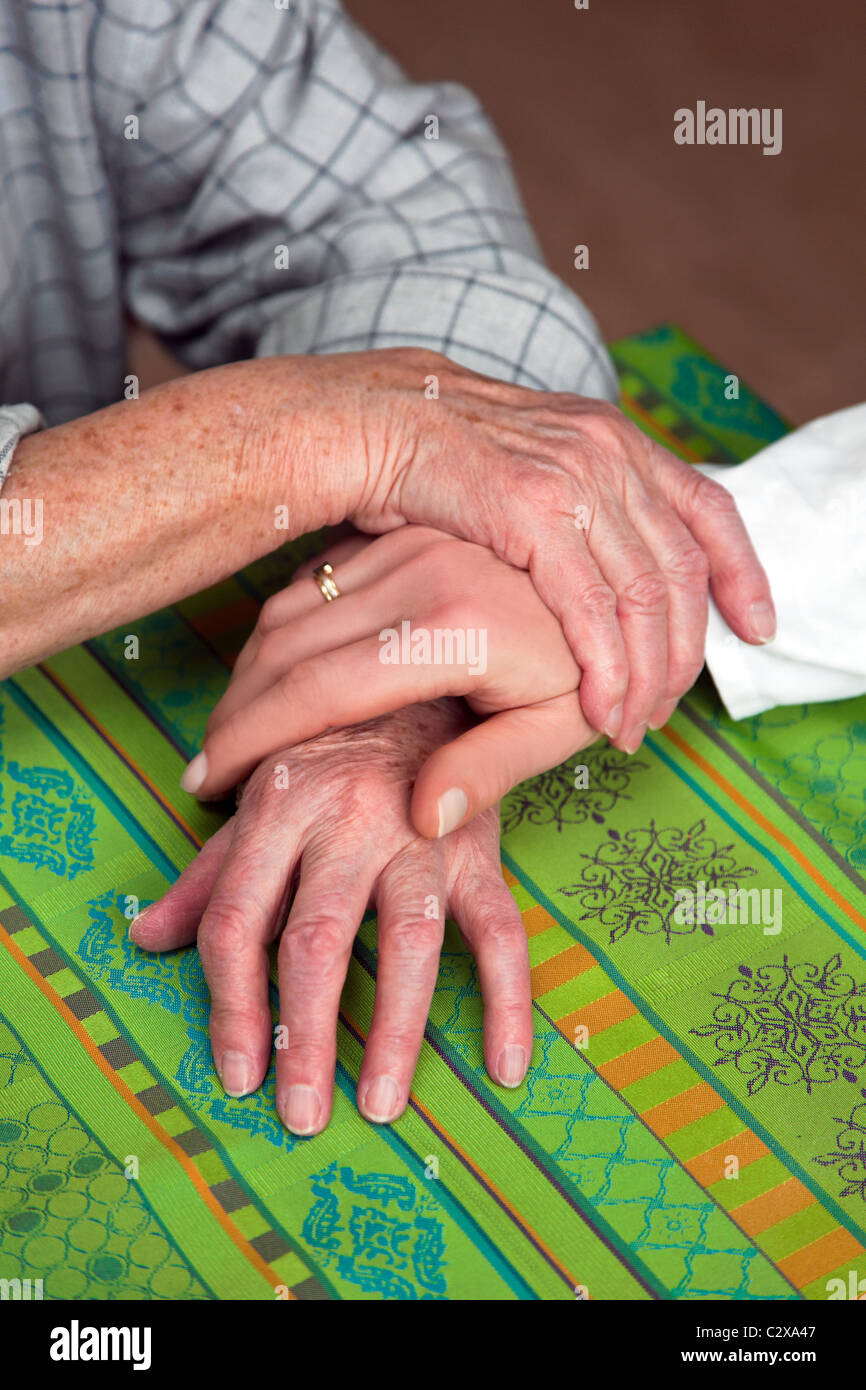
[251, 177]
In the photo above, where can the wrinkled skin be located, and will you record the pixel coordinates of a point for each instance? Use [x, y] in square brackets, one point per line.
[332, 815]
[623, 541]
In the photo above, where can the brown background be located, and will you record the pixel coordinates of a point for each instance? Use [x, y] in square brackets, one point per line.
[759, 257]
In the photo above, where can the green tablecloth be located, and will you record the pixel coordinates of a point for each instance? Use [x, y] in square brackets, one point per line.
[694, 1118]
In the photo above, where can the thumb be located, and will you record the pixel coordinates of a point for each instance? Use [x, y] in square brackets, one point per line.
[173, 920]
[472, 773]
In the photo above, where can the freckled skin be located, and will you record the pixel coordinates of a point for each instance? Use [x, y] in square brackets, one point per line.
[145, 502]
[148, 501]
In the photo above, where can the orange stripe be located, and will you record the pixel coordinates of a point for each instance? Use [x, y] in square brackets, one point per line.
[121, 752]
[537, 919]
[765, 1211]
[709, 1167]
[766, 825]
[565, 966]
[644, 1060]
[677, 445]
[478, 1171]
[603, 1013]
[820, 1257]
[679, 1111]
[120, 1086]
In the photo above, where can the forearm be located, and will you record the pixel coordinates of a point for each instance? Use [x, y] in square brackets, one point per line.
[147, 501]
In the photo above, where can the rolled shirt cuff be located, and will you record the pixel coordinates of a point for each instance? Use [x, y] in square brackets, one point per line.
[15, 421]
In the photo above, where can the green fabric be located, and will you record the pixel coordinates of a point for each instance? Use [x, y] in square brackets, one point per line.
[693, 1122]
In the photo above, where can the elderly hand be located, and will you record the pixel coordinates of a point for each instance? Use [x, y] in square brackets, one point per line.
[341, 826]
[620, 537]
[309, 666]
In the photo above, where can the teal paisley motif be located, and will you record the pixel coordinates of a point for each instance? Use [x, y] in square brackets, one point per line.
[174, 981]
[379, 1232]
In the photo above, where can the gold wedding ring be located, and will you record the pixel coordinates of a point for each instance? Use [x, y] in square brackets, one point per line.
[323, 576]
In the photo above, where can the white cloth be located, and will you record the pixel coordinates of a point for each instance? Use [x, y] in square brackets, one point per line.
[803, 500]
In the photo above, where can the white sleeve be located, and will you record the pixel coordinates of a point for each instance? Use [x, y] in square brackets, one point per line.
[15, 420]
[803, 500]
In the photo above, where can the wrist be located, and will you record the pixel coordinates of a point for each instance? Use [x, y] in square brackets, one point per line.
[346, 427]
[304, 457]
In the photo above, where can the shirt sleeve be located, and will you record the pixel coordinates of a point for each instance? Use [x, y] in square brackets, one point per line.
[282, 187]
[15, 421]
[803, 500]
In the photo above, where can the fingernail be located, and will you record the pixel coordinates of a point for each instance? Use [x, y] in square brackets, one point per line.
[614, 723]
[511, 1065]
[301, 1109]
[662, 714]
[195, 774]
[452, 808]
[762, 621]
[631, 743]
[236, 1073]
[382, 1100]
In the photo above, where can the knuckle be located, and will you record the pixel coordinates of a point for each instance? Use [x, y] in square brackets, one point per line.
[689, 562]
[738, 572]
[682, 676]
[260, 784]
[499, 929]
[552, 487]
[709, 495]
[239, 1016]
[268, 616]
[607, 429]
[646, 593]
[396, 1042]
[598, 600]
[317, 940]
[438, 568]
[221, 937]
[416, 357]
[307, 1051]
[415, 939]
[450, 612]
[301, 685]
[556, 401]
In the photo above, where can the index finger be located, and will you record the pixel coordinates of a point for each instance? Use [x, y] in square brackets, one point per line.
[329, 691]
